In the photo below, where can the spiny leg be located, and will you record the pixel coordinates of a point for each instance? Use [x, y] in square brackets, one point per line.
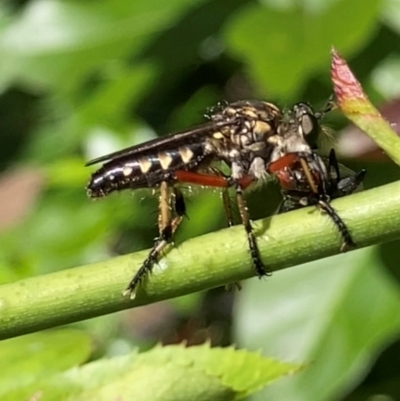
[254, 251]
[325, 206]
[167, 227]
[328, 107]
[344, 186]
[348, 242]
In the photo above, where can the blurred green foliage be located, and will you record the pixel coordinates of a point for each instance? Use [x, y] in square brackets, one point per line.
[26, 359]
[81, 79]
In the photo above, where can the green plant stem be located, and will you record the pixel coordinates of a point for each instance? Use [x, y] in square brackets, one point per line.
[198, 264]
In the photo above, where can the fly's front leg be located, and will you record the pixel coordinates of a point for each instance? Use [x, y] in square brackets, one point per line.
[254, 251]
[226, 200]
[167, 227]
[242, 181]
[325, 206]
[348, 242]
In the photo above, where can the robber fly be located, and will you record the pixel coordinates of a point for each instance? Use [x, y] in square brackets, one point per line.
[245, 135]
[310, 179]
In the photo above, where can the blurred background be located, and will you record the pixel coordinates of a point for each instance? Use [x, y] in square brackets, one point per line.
[82, 79]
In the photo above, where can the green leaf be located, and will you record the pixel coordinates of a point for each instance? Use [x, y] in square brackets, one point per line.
[336, 314]
[282, 49]
[164, 373]
[26, 359]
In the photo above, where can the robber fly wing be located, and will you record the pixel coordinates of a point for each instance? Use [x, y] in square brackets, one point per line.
[172, 140]
[326, 140]
[346, 172]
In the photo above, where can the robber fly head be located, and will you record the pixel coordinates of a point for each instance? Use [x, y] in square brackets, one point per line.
[299, 130]
[308, 121]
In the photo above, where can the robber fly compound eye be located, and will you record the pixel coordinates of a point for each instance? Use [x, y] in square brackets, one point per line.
[306, 119]
[308, 123]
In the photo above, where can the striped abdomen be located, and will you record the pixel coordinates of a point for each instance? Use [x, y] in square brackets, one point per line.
[147, 170]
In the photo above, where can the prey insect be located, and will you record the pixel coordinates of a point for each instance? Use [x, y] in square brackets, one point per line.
[311, 179]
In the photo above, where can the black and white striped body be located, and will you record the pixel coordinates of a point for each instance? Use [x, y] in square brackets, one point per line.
[147, 170]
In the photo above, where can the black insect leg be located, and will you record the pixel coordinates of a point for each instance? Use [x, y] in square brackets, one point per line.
[167, 227]
[329, 106]
[348, 242]
[324, 202]
[348, 185]
[179, 206]
[333, 163]
[254, 251]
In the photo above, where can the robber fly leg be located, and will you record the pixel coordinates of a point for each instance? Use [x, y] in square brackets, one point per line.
[226, 200]
[167, 227]
[179, 205]
[348, 242]
[324, 199]
[254, 251]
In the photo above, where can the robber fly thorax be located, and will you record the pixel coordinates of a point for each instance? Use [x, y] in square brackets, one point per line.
[247, 136]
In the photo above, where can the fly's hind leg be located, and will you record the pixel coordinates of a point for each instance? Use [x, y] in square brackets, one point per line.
[167, 227]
